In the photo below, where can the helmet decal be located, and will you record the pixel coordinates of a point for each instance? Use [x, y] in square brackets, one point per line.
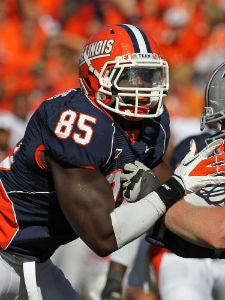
[138, 38]
[98, 49]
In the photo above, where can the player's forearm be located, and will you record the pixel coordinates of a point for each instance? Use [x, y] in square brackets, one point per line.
[134, 219]
[204, 226]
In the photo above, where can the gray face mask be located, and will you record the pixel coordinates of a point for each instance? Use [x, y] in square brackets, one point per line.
[217, 135]
[214, 110]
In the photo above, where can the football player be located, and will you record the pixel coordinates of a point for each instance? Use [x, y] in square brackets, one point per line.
[188, 278]
[193, 228]
[194, 278]
[63, 181]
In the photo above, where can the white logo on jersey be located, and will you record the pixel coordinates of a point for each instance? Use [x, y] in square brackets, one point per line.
[147, 149]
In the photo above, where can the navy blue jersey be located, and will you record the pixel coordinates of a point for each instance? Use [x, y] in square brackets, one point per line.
[76, 133]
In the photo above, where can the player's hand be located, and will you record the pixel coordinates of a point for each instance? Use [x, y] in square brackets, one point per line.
[137, 181]
[197, 170]
[194, 172]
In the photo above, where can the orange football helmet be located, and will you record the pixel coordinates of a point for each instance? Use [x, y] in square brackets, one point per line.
[120, 68]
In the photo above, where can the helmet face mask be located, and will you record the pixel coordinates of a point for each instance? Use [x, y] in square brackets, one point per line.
[214, 110]
[131, 84]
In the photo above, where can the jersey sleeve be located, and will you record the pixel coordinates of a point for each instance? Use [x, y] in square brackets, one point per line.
[75, 137]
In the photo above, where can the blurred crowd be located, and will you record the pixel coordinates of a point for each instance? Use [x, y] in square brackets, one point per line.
[40, 43]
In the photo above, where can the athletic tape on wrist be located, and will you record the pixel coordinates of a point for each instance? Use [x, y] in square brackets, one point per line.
[142, 215]
[170, 192]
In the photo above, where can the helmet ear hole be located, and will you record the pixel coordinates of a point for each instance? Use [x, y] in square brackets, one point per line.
[89, 86]
[87, 82]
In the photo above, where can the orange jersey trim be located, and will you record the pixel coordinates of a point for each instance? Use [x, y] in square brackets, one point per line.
[38, 151]
[90, 167]
[8, 222]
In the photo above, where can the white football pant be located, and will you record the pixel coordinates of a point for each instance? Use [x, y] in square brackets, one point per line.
[191, 279]
[24, 280]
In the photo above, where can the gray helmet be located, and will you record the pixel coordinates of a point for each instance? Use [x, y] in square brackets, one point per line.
[214, 110]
